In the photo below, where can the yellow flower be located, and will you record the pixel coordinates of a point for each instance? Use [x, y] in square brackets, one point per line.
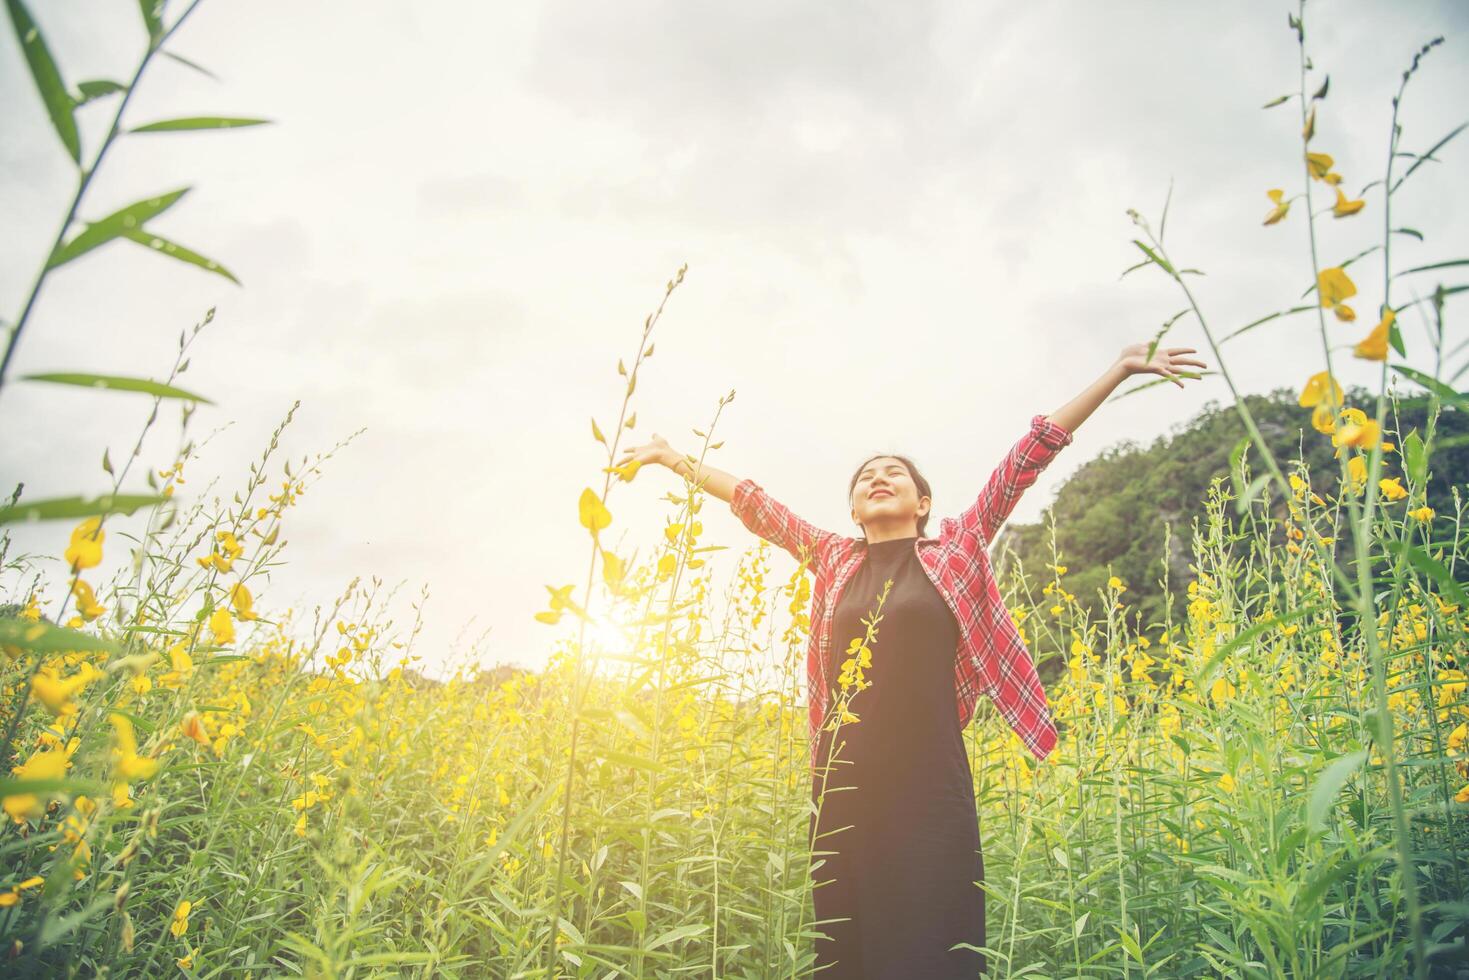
[1116, 583]
[180, 924]
[1319, 164]
[46, 764]
[55, 693]
[1323, 419]
[1221, 690]
[193, 727]
[1356, 474]
[1363, 435]
[1392, 489]
[1458, 736]
[1335, 285]
[223, 557]
[590, 510]
[1463, 795]
[243, 602]
[1321, 389]
[222, 626]
[86, 601]
[85, 549]
[626, 471]
[1332, 178]
[128, 764]
[1280, 209]
[1344, 207]
[186, 962]
[1226, 783]
[1424, 514]
[1373, 347]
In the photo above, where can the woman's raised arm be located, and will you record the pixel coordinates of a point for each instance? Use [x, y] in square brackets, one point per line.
[755, 508]
[1048, 435]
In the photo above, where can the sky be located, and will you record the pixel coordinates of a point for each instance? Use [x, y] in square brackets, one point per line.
[904, 226]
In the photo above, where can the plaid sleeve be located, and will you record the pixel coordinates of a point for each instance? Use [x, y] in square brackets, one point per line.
[775, 522]
[1016, 472]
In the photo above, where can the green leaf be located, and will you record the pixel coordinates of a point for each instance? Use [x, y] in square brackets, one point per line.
[1428, 156]
[10, 786]
[674, 935]
[1413, 459]
[1265, 319]
[48, 78]
[152, 11]
[1251, 492]
[113, 226]
[1329, 784]
[1154, 256]
[189, 64]
[97, 88]
[1236, 456]
[1431, 567]
[1436, 265]
[1275, 102]
[117, 383]
[46, 638]
[1434, 385]
[62, 508]
[197, 122]
[174, 250]
[1409, 231]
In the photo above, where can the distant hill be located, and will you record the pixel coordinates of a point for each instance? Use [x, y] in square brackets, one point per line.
[1112, 511]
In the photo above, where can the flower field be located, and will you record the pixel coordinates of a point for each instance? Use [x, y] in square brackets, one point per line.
[199, 782]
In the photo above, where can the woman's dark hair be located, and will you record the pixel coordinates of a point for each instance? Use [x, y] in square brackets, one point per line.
[924, 490]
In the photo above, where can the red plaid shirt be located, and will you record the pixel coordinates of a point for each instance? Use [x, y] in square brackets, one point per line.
[991, 657]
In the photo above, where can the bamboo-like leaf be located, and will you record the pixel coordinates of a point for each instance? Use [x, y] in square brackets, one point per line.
[197, 122]
[1437, 265]
[1428, 156]
[1265, 319]
[62, 508]
[174, 250]
[1156, 258]
[1434, 385]
[190, 64]
[117, 383]
[1320, 93]
[97, 88]
[1415, 462]
[59, 104]
[1409, 231]
[1431, 567]
[152, 11]
[1251, 492]
[113, 226]
[1329, 784]
[11, 786]
[1275, 102]
[48, 638]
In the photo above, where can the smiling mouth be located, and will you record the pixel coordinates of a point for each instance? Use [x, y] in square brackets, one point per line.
[879, 493]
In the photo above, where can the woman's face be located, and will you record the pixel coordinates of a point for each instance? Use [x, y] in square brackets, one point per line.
[885, 492]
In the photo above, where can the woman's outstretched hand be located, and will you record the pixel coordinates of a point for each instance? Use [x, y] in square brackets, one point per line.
[1166, 361]
[657, 450]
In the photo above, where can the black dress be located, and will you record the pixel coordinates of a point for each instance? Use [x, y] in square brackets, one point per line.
[898, 809]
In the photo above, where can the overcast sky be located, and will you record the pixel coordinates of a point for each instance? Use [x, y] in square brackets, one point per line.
[904, 226]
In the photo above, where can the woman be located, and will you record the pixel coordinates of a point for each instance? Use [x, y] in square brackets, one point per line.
[894, 826]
